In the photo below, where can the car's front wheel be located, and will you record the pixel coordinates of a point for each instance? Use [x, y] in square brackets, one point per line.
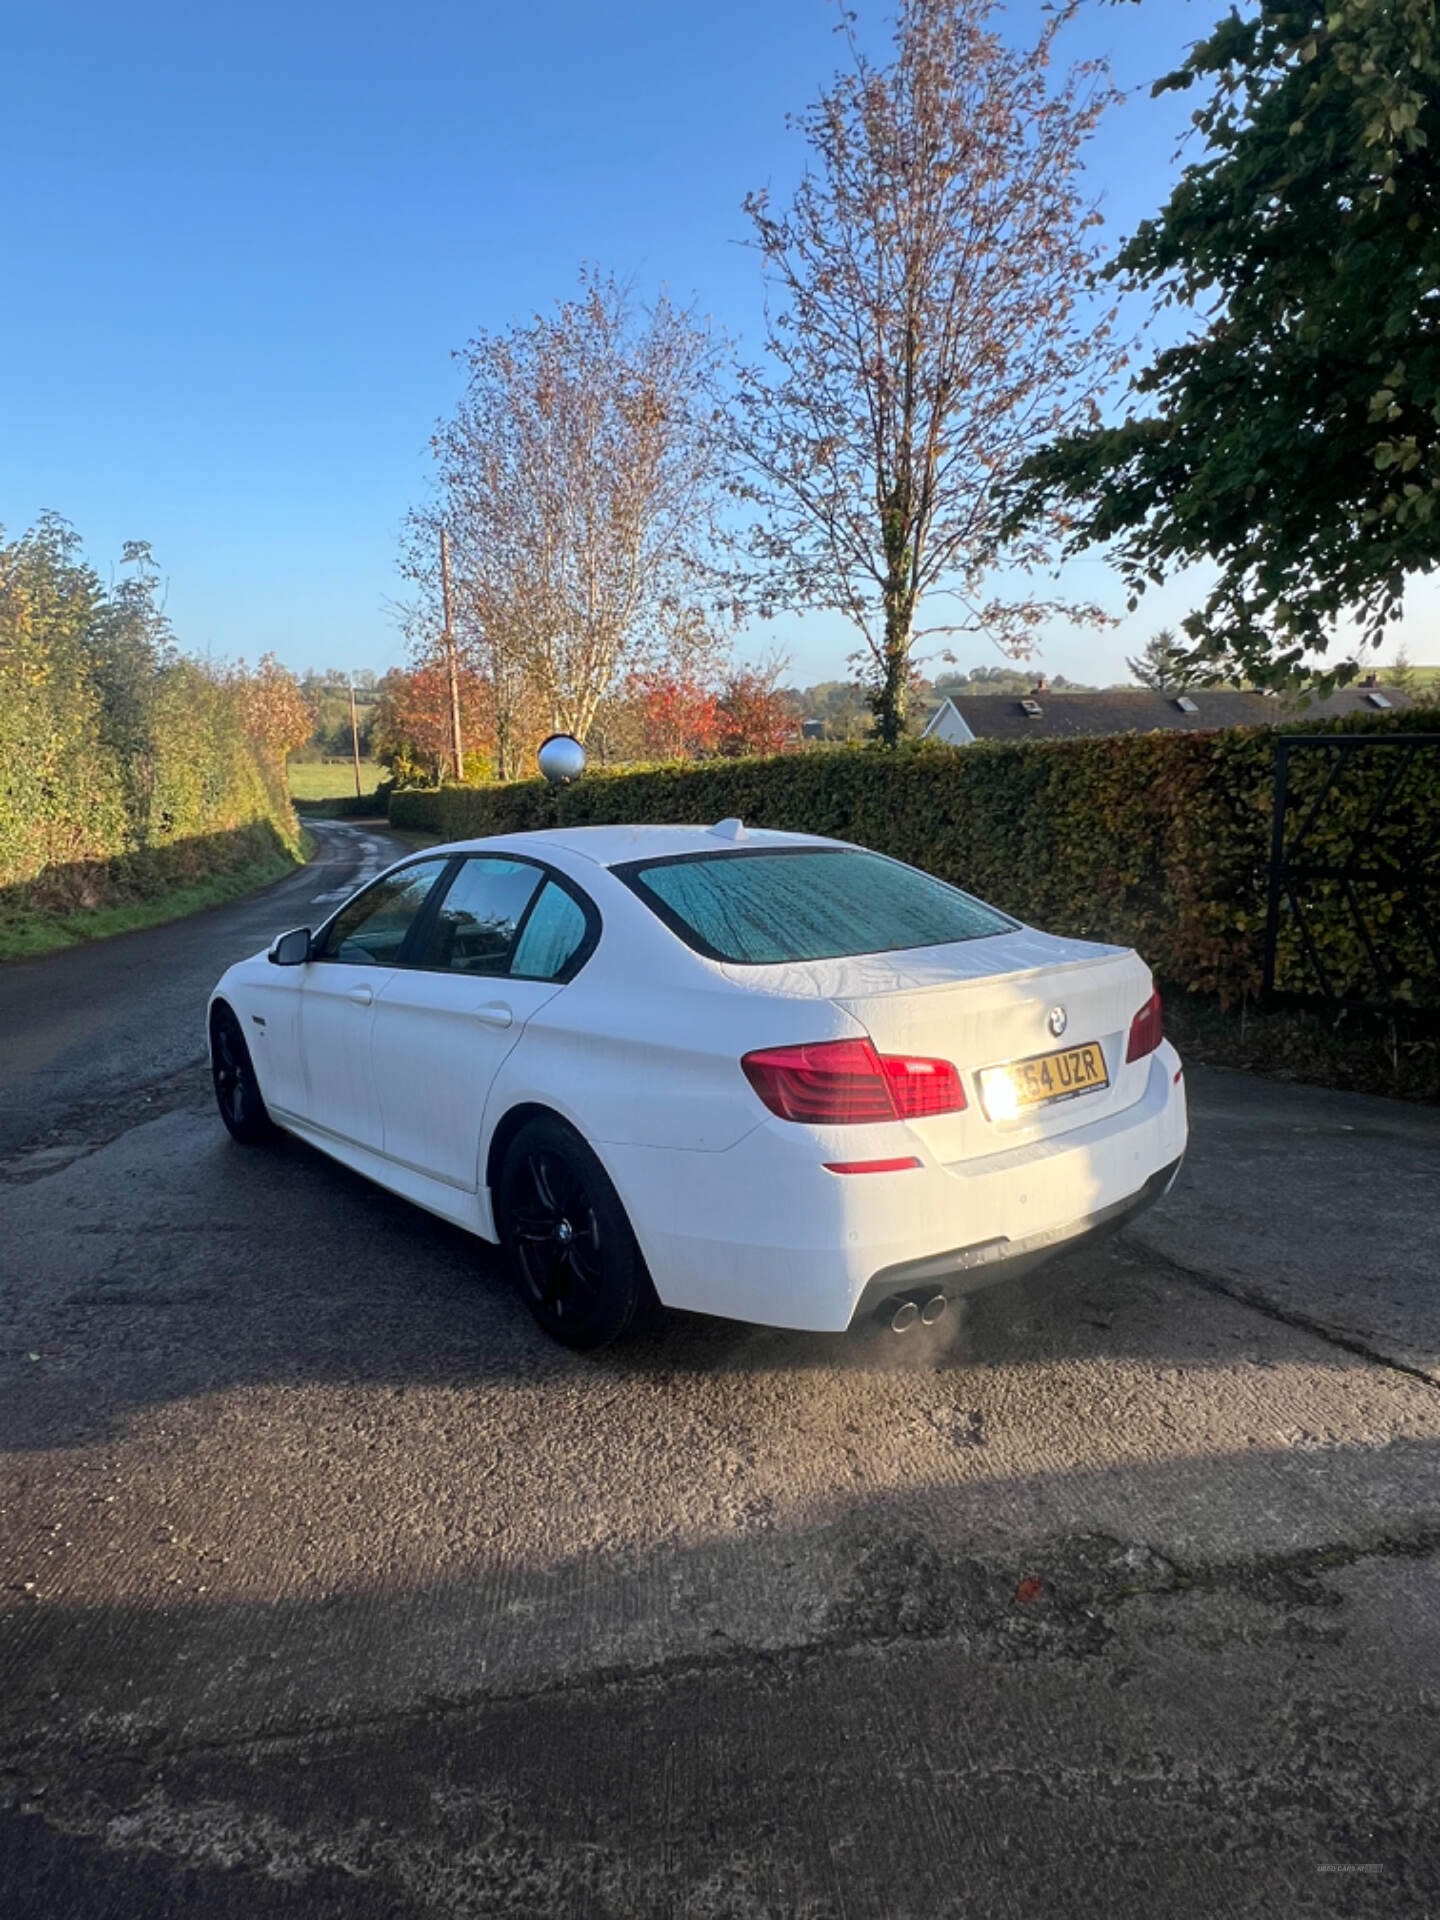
[570, 1248]
[237, 1090]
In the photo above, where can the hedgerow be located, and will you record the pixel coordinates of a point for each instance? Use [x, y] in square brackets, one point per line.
[1160, 841]
[126, 768]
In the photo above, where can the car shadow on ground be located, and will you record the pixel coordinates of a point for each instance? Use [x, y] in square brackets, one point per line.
[276, 1265]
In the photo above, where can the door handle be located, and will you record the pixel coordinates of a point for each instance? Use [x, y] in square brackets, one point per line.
[495, 1013]
[362, 996]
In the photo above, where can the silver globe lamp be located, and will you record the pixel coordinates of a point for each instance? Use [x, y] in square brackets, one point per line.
[562, 759]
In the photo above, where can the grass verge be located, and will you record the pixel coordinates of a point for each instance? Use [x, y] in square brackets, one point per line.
[25, 934]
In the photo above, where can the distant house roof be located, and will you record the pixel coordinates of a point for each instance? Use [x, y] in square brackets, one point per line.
[947, 723]
[1045, 715]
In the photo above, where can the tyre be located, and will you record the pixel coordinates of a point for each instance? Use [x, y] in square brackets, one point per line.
[237, 1091]
[570, 1249]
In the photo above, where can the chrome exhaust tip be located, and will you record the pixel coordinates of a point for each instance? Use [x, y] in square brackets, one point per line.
[933, 1308]
[904, 1316]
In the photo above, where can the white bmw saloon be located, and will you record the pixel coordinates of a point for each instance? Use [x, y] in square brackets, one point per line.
[755, 1074]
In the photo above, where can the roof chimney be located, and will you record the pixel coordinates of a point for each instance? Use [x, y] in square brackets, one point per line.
[1371, 680]
[1042, 685]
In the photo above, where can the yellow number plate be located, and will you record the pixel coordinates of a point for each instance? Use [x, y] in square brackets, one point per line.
[1049, 1076]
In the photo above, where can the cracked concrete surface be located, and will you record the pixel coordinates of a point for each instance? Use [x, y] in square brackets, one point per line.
[327, 1587]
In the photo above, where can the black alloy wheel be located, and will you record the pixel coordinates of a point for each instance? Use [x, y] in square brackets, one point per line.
[570, 1248]
[237, 1091]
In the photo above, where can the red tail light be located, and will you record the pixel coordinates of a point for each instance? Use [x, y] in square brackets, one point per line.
[921, 1087]
[1147, 1029]
[846, 1083]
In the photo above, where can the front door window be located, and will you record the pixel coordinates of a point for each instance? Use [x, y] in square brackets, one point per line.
[370, 930]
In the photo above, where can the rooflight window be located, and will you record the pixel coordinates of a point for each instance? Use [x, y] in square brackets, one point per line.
[1186, 704]
[1032, 709]
[1378, 700]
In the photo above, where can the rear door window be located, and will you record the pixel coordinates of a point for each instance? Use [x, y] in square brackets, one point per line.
[474, 930]
[768, 907]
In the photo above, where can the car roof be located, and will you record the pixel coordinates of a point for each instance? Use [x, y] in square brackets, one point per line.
[611, 846]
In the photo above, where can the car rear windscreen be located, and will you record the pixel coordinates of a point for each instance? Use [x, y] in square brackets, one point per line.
[764, 908]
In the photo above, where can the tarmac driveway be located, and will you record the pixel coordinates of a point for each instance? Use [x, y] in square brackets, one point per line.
[328, 1587]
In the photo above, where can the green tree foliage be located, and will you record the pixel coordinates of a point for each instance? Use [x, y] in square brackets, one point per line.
[1293, 439]
[114, 746]
[840, 706]
[1016, 680]
[1401, 674]
[1164, 663]
[328, 694]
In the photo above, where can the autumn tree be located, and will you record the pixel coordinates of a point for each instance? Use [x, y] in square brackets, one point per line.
[578, 479]
[1292, 439]
[754, 715]
[929, 327]
[410, 730]
[278, 717]
[679, 717]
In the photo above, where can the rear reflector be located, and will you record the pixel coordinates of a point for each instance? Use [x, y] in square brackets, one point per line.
[1147, 1029]
[846, 1083]
[871, 1166]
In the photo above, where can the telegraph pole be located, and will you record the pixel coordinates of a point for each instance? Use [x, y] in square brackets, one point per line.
[354, 740]
[451, 665]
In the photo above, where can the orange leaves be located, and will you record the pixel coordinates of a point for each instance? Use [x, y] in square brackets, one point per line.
[277, 714]
[753, 716]
[412, 717]
[678, 714]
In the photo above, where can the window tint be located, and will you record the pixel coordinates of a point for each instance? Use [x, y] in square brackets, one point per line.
[474, 930]
[761, 908]
[554, 930]
[371, 930]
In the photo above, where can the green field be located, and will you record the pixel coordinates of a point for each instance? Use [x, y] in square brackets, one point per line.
[331, 779]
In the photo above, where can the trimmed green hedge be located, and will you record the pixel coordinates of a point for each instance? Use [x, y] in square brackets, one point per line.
[347, 806]
[1160, 841]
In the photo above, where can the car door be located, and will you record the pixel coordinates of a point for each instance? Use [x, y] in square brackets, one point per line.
[355, 959]
[506, 935]
[271, 1017]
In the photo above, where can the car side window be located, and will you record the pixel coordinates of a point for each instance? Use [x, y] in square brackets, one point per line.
[371, 929]
[551, 935]
[474, 930]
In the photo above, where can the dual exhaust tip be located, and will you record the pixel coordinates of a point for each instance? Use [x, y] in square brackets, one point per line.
[903, 1312]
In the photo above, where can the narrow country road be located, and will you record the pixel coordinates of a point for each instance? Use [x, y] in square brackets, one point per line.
[331, 1590]
[99, 1024]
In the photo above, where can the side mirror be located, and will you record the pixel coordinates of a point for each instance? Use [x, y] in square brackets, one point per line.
[291, 949]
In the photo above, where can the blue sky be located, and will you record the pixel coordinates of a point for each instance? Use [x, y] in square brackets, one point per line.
[241, 243]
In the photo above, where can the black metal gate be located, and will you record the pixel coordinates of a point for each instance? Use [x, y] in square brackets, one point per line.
[1354, 904]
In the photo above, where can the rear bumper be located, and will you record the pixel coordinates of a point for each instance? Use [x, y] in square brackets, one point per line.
[762, 1232]
[968, 1269]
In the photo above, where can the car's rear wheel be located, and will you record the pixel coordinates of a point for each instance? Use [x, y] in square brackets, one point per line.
[237, 1090]
[570, 1248]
